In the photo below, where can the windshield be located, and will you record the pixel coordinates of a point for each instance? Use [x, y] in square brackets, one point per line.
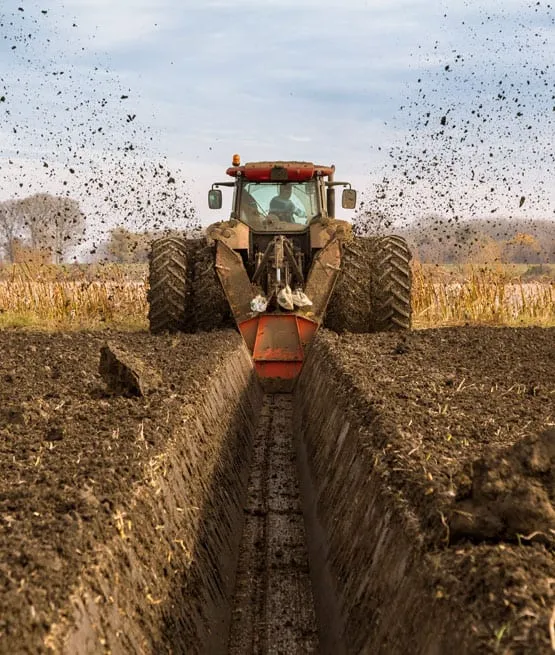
[279, 206]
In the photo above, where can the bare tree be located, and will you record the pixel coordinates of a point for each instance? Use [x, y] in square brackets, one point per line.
[11, 224]
[126, 247]
[53, 223]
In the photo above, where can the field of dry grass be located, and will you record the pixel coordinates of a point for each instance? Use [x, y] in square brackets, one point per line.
[98, 296]
[73, 297]
[483, 295]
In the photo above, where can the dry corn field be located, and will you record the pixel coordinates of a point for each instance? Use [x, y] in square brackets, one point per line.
[481, 295]
[80, 297]
[111, 295]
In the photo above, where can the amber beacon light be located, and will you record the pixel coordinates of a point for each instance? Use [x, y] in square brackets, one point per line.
[236, 161]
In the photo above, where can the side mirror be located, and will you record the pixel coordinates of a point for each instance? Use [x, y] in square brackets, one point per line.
[349, 199]
[215, 199]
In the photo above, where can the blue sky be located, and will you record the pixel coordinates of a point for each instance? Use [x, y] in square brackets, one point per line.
[362, 84]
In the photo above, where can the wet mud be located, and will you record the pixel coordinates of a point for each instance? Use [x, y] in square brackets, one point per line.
[273, 609]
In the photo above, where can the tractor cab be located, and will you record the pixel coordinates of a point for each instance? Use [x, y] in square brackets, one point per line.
[281, 196]
[278, 206]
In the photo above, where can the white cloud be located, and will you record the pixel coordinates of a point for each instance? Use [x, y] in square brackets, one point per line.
[113, 25]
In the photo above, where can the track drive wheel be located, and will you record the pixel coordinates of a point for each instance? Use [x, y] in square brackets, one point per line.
[169, 305]
[211, 308]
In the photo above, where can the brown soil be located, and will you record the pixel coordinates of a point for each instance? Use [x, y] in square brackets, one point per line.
[99, 493]
[426, 464]
[273, 609]
[459, 396]
[432, 458]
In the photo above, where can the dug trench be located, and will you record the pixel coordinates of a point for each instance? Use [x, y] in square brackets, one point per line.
[401, 500]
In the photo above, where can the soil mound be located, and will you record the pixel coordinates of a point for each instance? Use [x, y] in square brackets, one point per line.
[511, 495]
[120, 508]
[431, 459]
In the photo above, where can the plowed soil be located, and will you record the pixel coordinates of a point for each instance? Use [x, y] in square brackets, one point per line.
[71, 453]
[444, 441]
[465, 414]
[455, 425]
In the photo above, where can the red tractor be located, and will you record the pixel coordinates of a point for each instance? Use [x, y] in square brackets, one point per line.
[280, 267]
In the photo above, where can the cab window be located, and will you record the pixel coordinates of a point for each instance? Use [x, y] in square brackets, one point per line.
[279, 206]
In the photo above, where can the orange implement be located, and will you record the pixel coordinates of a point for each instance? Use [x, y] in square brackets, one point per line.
[277, 343]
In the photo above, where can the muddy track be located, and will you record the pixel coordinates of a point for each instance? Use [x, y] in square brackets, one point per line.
[273, 608]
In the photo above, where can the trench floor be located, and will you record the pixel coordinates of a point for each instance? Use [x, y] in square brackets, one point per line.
[273, 608]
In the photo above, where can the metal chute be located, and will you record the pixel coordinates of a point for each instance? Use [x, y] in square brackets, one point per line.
[277, 338]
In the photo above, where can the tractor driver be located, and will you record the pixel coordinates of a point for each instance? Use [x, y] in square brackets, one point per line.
[282, 205]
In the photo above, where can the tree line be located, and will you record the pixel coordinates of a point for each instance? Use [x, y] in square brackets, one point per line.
[431, 240]
[435, 239]
[41, 226]
[45, 228]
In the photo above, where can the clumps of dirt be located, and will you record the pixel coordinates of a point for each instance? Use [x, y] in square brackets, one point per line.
[443, 399]
[511, 495]
[125, 373]
[99, 487]
[129, 187]
[404, 436]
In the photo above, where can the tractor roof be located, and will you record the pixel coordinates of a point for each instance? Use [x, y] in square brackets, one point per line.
[280, 171]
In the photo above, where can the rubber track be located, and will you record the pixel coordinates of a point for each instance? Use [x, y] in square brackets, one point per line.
[273, 609]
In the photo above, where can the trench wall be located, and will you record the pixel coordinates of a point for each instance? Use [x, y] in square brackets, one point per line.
[372, 579]
[168, 588]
